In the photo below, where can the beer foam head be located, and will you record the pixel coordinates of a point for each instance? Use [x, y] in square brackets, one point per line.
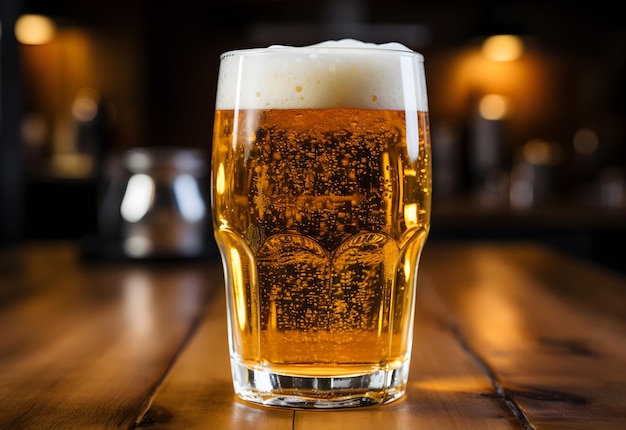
[341, 73]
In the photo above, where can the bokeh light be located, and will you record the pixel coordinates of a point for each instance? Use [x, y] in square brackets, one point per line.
[503, 48]
[34, 29]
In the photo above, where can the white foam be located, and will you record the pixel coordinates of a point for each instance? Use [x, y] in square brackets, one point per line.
[340, 73]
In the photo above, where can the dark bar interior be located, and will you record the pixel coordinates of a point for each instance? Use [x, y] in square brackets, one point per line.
[529, 139]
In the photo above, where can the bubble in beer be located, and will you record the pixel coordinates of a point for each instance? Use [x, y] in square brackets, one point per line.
[323, 201]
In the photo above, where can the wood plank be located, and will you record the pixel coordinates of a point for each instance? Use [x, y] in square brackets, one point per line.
[86, 345]
[446, 389]
[198, 391]
[549, 329]
[506, 337]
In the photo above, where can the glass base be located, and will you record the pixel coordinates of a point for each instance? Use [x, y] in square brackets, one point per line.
[272, 389]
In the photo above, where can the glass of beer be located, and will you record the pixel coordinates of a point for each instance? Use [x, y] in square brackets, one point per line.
[321, 198]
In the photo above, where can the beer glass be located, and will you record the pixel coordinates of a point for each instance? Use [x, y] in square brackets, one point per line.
[321, 198]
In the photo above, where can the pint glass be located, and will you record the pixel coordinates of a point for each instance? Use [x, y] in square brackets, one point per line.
[321, 197]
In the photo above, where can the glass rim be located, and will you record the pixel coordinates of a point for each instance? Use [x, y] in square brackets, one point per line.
[313, 49]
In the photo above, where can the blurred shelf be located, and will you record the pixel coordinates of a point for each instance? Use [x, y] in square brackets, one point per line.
[591, 232]
[465, 213]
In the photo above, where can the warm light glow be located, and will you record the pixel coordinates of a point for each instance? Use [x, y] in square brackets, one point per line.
[494, 107]
[71, 165]
[85, 106]
[137, 198]
[34, 29]
[536, 151]
[585, 141]
[528, 83]
[503, 48]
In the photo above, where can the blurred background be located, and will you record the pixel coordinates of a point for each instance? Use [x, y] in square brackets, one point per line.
[527, 105]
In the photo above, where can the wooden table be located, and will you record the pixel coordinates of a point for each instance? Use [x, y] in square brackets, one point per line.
[506, 336]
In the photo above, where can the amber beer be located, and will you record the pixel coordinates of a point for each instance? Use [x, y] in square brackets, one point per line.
[321, 207]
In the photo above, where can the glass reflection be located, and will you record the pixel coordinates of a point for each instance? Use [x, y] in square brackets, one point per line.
[189, 198]
[163, 205]
[137, 305]
[138, 197]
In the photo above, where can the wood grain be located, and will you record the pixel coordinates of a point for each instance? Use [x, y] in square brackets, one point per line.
[506, 337]
[548, 329]
[86, 345]
[446, 390]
